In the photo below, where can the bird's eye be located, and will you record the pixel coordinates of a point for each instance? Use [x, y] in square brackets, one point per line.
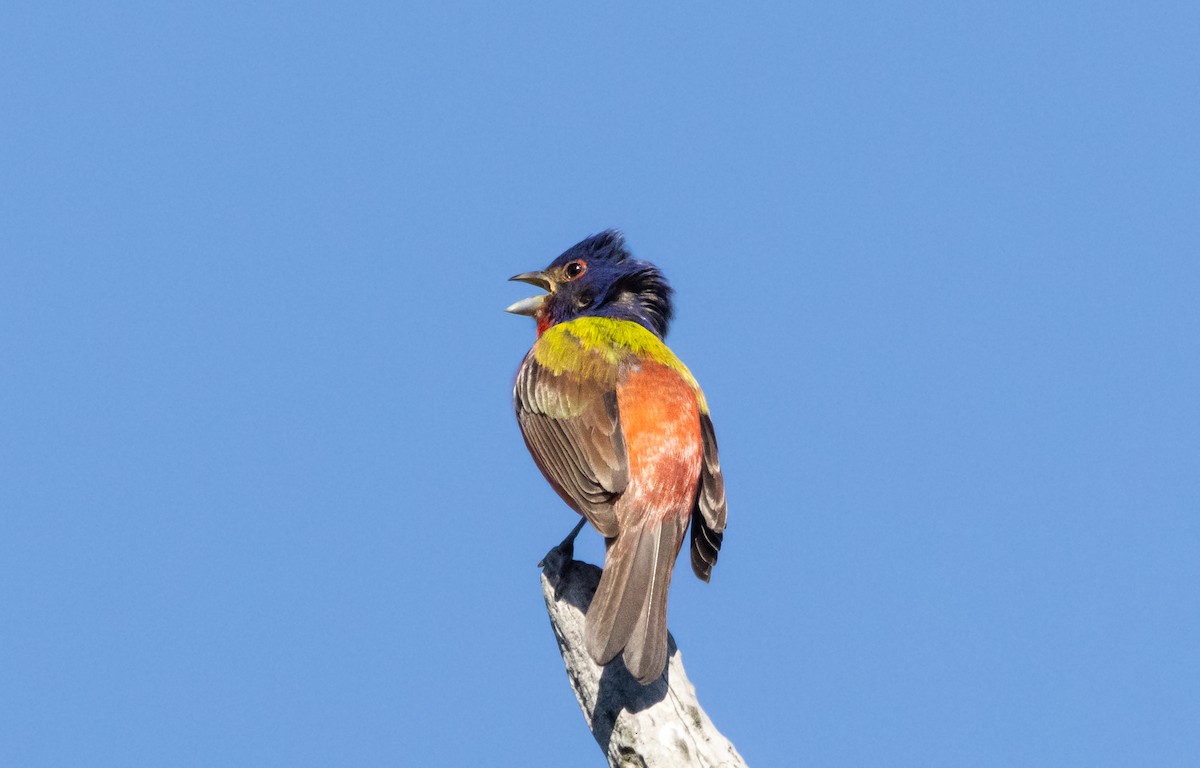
[574, 269]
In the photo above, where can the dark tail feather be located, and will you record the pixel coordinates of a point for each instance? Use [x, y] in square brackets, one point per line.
[629, 610]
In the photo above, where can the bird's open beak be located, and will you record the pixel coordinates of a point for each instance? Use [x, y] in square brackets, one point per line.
[531, 305]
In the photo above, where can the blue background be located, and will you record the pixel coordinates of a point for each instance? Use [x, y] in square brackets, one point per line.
[262, 498]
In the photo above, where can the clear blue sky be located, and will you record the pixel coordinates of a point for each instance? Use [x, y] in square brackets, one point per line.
[262, 498]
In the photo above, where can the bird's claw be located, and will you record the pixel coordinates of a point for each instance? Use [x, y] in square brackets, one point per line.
[565, 551]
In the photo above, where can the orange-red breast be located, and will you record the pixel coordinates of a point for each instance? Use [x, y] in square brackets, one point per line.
[621, 430]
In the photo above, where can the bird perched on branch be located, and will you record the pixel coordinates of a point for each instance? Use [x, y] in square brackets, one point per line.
[621, 430]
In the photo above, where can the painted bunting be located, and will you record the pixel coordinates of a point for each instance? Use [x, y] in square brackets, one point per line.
[620, 429]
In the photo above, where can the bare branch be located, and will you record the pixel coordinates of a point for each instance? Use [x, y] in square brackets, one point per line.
[660, 724]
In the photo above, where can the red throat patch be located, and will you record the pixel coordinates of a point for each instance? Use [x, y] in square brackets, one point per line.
[543, 322]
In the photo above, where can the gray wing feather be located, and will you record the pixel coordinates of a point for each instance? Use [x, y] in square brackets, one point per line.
[708, 514]
[573, 429]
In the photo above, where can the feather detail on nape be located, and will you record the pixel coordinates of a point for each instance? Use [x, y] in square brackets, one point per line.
[645, 295]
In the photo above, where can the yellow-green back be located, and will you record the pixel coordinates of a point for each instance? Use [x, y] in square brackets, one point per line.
[594, 348]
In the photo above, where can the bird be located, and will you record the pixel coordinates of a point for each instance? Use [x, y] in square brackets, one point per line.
[621, 430]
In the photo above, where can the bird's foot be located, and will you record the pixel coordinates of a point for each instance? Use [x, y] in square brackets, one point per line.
[565, 551]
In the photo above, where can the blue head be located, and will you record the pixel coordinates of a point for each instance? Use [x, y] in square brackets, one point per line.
[598, 277]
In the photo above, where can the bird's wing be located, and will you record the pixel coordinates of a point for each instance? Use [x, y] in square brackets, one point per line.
[571, 424]
[708, 514]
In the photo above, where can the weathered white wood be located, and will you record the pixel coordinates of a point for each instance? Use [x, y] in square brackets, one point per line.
[660, 724]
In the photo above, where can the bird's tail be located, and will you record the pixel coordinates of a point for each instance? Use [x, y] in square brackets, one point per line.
[629, 610]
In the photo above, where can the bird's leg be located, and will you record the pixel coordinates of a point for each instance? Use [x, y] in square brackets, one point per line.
[565, 550]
